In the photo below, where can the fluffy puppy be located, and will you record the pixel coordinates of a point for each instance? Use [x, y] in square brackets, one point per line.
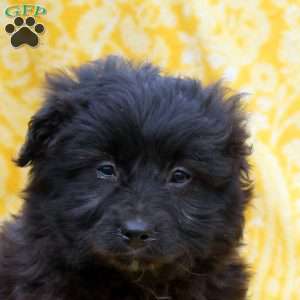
[137, 190]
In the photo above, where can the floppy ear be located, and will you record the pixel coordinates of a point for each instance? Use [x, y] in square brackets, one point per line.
[237, 147]
[234, 132]
[47, 122]
[66, 94]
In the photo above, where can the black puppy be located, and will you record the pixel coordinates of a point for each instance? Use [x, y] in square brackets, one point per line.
[137, 190]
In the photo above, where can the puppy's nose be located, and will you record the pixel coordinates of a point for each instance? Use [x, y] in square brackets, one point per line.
[136, 232]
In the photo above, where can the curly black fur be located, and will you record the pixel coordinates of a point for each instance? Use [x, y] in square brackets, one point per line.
[177, 152]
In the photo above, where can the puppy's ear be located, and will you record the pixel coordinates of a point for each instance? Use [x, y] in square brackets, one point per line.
[237, 146]
[233, 133]
[43, 127]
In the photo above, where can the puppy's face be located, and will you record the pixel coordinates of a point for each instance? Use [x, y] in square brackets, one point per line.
[137, 170]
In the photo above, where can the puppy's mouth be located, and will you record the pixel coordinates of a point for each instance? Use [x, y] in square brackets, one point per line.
[136, 265]
[150, 269]
[137, 260]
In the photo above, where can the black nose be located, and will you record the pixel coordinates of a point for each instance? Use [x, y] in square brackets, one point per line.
[136, 232]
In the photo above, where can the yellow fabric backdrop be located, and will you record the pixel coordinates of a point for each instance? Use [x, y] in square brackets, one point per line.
[254, 44]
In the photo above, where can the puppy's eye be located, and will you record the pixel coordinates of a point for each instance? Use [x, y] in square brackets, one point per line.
[106, 171]
[179, 176]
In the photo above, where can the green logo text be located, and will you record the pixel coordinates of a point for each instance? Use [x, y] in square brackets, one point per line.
[25, 10]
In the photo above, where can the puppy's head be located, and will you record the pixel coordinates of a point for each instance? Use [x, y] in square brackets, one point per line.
[137, 169]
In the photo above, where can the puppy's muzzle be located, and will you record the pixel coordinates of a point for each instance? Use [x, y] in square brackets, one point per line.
[137, 233]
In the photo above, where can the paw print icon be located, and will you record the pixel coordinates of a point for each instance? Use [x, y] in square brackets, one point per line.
[24, 32]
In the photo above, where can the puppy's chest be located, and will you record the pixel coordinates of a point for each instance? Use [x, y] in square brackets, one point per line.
[114, 291]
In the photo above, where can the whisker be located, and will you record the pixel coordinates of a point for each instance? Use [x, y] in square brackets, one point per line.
[192, 273]
[140, 277]
[153, 293]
